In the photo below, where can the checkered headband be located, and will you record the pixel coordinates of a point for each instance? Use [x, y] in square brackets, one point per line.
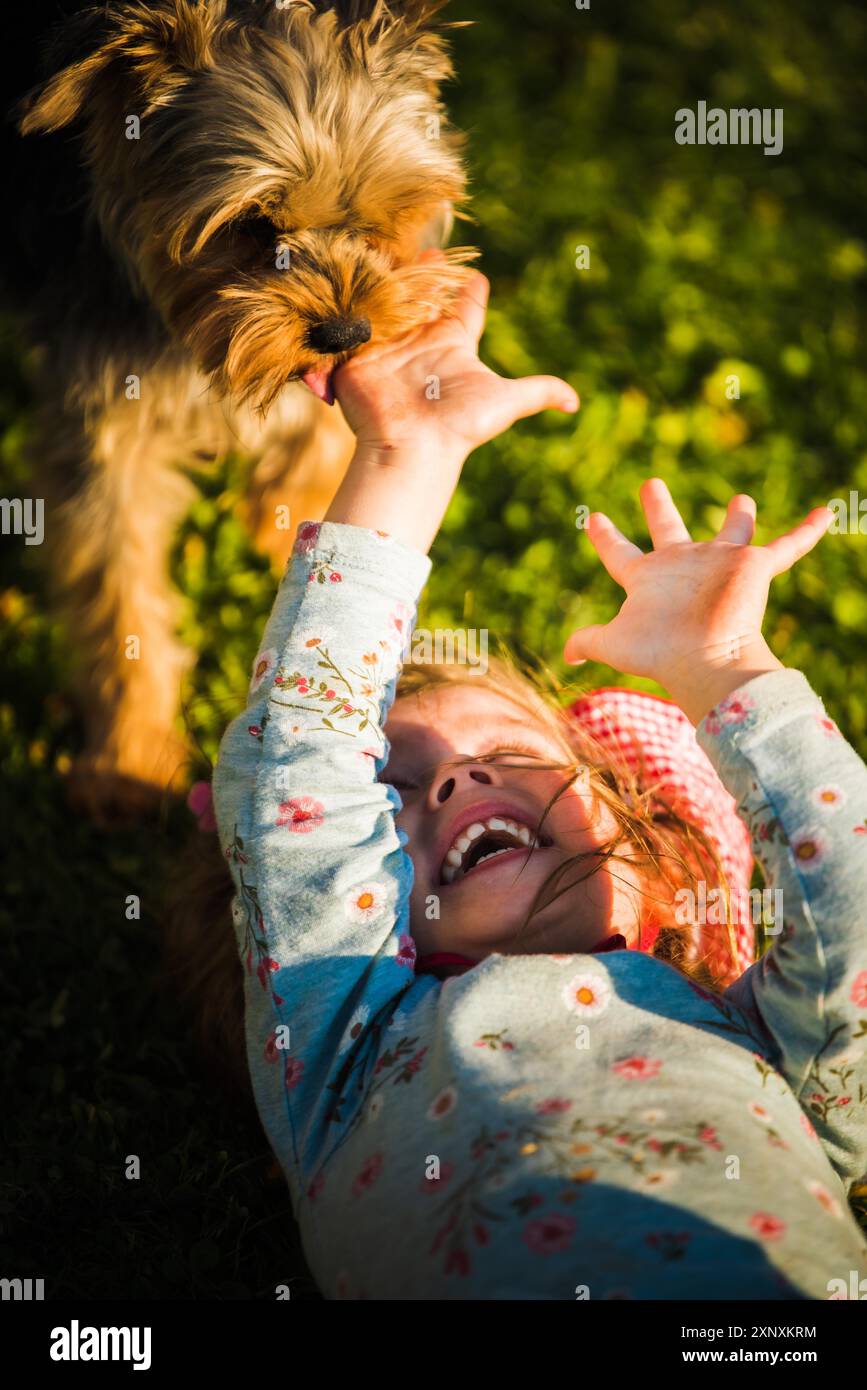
[633, 725]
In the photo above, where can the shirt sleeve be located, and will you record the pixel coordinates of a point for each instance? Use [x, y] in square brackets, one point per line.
[802, 790]
[322, 881]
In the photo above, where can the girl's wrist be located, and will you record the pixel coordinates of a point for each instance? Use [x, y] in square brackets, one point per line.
[402, 491]
[713, 676]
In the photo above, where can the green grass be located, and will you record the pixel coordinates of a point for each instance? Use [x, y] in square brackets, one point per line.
[704, 262]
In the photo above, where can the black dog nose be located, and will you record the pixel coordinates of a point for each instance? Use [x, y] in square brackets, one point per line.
[339, 335]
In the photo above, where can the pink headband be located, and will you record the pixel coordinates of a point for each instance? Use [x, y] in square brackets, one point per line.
[633, 724]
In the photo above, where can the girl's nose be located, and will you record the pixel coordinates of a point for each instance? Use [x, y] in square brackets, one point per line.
[453, 779]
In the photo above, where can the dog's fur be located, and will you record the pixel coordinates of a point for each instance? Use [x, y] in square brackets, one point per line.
[173, 326]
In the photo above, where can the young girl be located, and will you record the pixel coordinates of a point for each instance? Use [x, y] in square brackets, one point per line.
[571, 1115]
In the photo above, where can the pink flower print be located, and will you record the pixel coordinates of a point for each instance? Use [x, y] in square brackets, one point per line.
[807, 1124]
[271, 1052]
[734, 709]
[437, 1184]
[766, 1226]
[553, 1106]
[638, 1068]
[481, 1234]
[316, 1187]
[709, 1136]
[549, 1235]
[293, 1073]
[414, 1063]
[443, 1232]
[335, 577]
[828, 727]
[860, 829]
[265, 965]
[858, 993]
[809, 851]
[400, 620]
[307, 537]
[301, 815]
[844, 1100]
[457, 1262]
[823, 1197]
[406, 951]
[201, 803]
[367, 1174]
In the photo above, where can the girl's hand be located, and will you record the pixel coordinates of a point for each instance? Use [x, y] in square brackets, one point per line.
[427, 399]
[692, 617]
[418, 407]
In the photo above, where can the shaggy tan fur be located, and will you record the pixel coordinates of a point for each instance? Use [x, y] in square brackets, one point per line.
[289, 166]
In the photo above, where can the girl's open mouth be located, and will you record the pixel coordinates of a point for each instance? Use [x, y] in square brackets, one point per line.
[487, 840]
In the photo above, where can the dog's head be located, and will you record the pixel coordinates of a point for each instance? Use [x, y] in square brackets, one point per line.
[268, 171]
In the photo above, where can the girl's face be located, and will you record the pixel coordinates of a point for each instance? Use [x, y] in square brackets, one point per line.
[472, 831]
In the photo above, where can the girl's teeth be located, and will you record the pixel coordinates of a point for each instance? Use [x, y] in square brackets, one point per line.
[455, 857]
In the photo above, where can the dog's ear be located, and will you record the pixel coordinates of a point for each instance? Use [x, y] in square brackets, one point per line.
[146, 45]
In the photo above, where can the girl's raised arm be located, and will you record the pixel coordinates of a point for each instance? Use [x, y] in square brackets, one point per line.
[803, 792]
[321, 907]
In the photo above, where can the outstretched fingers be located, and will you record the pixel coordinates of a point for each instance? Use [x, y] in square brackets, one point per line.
[528, 395]
[617, 554]
[471, 306]
[786, 550]
[664, 521]
[740, 523]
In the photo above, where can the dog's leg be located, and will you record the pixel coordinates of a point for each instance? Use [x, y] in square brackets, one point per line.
[116, 495]
[302, 453]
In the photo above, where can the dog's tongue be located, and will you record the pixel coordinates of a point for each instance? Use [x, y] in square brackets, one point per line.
[319, 382]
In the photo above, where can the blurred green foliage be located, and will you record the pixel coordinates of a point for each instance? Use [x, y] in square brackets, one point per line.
[704, 262]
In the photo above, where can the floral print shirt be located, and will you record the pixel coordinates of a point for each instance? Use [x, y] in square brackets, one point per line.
[538, 1127]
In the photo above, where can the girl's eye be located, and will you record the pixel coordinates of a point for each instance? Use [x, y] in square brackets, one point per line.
[516, 750]
[399, 783]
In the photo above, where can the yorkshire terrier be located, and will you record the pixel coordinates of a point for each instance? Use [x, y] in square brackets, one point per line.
[252, 186]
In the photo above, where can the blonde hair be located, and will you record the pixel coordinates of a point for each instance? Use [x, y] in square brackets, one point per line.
[201, 954]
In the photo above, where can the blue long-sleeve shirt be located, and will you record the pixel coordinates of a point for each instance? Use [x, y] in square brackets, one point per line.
[540, 1127]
